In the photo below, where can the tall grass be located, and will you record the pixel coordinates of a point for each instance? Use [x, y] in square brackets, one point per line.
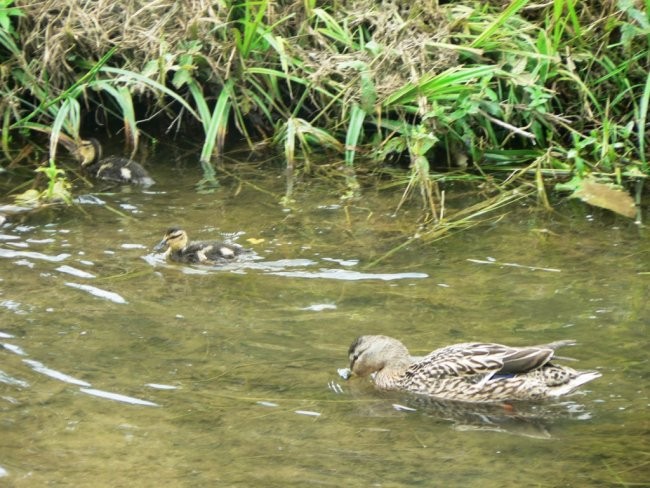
[530, 93]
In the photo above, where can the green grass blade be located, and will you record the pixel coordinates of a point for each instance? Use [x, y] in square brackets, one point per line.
[354, 132]
[130, 77]
[201, 104]
[642, 120]
[122, 97]
[512, 9]
[68, 116]
[447, 85]
[215, 136]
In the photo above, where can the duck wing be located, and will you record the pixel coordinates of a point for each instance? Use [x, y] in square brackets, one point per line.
[213, 250]
[480, 359]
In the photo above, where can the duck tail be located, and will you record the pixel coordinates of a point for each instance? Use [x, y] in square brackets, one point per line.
[574, 383]
[557, 344]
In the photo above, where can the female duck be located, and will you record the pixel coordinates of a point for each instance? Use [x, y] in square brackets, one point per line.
[178, 248]
[470, 372]
[111, 168]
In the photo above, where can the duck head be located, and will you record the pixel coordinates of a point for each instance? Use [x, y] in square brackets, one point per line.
[174, 239]
[373, 353]
[89, 151]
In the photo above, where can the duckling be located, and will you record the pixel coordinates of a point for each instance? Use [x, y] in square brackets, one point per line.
[111, 168]
[179, 248]
[469, 372]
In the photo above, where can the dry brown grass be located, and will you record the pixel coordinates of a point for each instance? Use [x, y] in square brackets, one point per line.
[57, 32]
[410, 36]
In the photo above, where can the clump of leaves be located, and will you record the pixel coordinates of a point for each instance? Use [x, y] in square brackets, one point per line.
[57, 191]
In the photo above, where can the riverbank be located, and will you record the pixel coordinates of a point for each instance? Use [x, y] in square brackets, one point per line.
[522, 97]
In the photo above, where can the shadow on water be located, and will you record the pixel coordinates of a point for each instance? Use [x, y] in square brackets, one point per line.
[120, 369]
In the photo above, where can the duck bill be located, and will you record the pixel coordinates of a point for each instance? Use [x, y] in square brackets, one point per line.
[161, 246]
[344, 373]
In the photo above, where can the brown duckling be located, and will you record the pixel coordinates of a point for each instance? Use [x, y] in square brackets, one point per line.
[177, 247]
[469, 372]
[111, 168]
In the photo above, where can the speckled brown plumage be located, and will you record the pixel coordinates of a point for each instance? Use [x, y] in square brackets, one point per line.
[473, 372]
[112, 168]
[178, 248]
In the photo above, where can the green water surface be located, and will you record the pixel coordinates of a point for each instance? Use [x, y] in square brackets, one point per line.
[229, 376]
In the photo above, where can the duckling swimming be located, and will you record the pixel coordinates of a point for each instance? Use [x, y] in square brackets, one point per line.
[111, 168]
[470, 372]
[179, 248]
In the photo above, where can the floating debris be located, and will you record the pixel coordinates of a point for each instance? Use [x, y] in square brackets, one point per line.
[605, 195]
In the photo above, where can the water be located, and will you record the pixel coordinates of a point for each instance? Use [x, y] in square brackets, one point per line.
[121, 370]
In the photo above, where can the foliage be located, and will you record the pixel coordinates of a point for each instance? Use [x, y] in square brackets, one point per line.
[533, 92]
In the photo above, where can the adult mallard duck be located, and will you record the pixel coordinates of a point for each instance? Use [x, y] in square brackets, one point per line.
[177, 247]
[111, 168]
[470, 372]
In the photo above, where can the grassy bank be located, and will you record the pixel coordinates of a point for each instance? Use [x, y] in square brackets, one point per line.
[522, 95]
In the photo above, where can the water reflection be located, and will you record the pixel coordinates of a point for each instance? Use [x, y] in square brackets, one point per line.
[529, 419]
[10, 254]
[98, 292]
[54, 374]
[57, 375]
[117, 397]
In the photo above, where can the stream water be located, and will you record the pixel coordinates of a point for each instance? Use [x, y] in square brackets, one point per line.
[119, 369]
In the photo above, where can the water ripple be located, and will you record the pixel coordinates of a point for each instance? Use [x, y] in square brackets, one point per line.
[117, 397]
[74, 271]
[14, 348]
[279, 268]
[10, 380]
[347, 275]
[98, 292]
[52, 373]
[8, 253]
[13, 305]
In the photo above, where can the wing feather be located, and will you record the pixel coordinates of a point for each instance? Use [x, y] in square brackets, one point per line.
[484, 359]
